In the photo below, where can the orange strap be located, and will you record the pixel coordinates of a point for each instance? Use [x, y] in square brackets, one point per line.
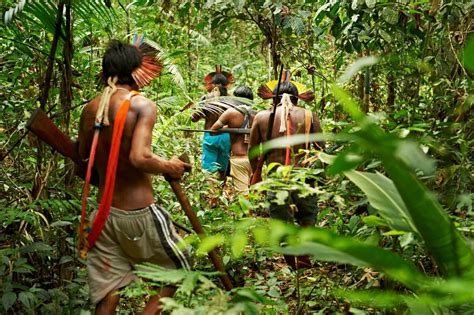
[106, 202]
[87, 180]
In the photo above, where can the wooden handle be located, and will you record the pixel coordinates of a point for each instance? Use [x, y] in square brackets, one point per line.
[197, 227]
[257, 175]
[40, 124]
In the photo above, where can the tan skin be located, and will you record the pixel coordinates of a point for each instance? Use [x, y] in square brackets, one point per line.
[232, 118]
[258, 133]
[137, 164]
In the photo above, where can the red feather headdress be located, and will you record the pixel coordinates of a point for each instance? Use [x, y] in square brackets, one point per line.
[265, 91]
[151, 64]
[218, 78]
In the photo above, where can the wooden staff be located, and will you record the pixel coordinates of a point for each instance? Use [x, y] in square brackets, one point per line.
[184, 202]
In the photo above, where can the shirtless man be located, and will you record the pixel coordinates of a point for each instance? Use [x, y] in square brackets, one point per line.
[136, 230]
[240, 169]
[307, 206]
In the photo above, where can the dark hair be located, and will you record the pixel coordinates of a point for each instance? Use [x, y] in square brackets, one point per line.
[222, 90]
[120, 60]
[244, 91]
[219, 79]
[288, 88]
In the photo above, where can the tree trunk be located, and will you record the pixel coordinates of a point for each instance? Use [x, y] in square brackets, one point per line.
[390, 91]
[40, 181]
[360, 87]
[66, 89]
[66, 83]
[43, 98]
[366, 90]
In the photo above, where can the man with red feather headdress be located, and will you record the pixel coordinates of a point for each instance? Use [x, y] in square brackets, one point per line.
[290, 119]
[115, 136]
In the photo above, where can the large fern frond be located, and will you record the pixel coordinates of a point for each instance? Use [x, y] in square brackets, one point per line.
[172, 68]
[43, 13]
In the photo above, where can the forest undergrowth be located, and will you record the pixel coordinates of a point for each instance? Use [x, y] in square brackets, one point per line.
[393, 85]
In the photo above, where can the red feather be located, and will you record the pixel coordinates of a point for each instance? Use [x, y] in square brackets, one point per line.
[151, 66]
[208, 85]
[264, 92]
[307, 96]
[230, 78]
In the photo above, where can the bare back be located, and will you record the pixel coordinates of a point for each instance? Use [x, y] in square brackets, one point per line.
[260, 126]
[133, 187]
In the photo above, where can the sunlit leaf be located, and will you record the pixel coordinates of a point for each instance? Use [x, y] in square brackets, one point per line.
[328, 246]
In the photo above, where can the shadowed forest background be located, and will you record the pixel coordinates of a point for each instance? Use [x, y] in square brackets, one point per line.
[394, 92]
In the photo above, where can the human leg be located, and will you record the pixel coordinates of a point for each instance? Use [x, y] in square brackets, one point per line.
[306, 217]
[281, 212]
[108, 304]
[153, 305]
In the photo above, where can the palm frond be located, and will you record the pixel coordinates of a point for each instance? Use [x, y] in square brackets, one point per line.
[43, 13]
[172, 68]
[10, 13]
[220, 104]
[200, 39]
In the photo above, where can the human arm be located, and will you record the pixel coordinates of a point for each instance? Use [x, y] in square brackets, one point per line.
[222, 121]
[255, 140]
[141, 155]
[83, 146]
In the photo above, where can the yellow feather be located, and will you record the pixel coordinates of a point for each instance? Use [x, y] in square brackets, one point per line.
[301, 88]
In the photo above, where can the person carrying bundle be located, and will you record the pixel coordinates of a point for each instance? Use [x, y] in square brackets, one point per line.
[215, 149]
[238, 117]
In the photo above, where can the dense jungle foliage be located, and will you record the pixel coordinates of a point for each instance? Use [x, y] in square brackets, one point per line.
[394, 91]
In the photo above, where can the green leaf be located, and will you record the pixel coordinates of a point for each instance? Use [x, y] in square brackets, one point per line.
[166, 275]
[8, 299]
[354, 68]
[209, 243]
[441, 237]
[374, 221]
[28, 299]
[448, 247]
[370, 3]
[60, 223]
[36, 247]
[468, 54]
[384, 197]
[189, 283]
[328, 246]
[239, 241]
[245, 294]
[390, 15]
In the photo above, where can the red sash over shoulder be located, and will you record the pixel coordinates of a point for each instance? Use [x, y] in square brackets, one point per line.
[106, 202]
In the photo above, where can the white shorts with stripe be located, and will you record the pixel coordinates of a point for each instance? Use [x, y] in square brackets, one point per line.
[129, 238]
